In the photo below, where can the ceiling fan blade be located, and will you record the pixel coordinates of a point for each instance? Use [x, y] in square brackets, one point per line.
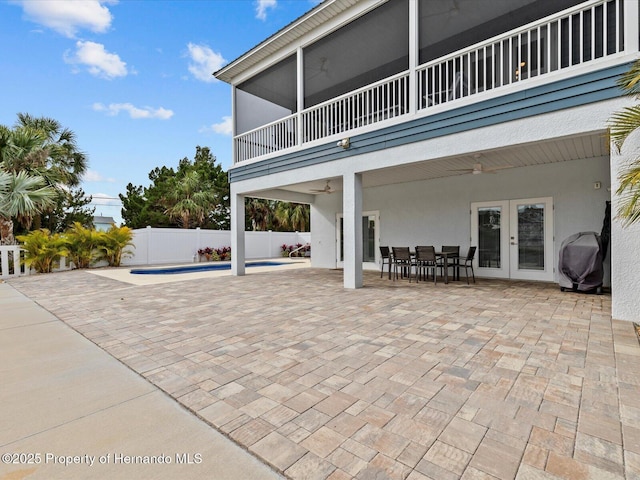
[494, 169]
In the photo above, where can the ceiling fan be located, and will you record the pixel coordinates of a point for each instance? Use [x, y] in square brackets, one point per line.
[326, 189]
[478, 169]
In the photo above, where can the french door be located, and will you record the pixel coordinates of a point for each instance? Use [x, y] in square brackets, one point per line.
[370, 236]
[514, 238]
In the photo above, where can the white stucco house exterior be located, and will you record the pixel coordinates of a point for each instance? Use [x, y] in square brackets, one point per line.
[441, 122]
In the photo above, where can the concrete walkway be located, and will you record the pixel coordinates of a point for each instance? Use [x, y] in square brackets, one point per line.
[69, 410]
[397, 380]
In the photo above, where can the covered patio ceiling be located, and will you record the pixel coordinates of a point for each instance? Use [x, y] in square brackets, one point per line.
[540, 153]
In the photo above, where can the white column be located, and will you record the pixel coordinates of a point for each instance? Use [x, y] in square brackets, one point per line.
[237, 233]
[631, 42]
[414, 50]
[352, 208]
[625, 241]
[234, 121]
[300, 93]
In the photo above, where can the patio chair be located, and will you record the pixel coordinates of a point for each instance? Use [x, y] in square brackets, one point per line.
[468, 264]
[453, 260]
[402, 259]
[385, 258]
[425, 260]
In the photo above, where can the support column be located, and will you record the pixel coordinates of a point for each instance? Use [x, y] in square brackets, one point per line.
[631, 41]
[414, 50]
[352, 208]
[300, 94]
[625, 241]
[237, 233]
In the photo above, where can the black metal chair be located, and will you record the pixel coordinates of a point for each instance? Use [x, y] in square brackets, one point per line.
[468, 264]
[385, 259]
[402, 260]
[426, 260]
[452, 260]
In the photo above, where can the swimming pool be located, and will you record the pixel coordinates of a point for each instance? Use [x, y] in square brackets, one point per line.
[206, 267]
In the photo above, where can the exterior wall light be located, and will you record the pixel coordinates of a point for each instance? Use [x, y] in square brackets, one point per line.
[344, 143]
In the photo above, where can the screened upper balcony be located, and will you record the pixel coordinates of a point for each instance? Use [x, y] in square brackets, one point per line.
[375, 70]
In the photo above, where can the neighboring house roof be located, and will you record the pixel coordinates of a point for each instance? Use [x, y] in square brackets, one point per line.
[103, 220]
[315, 17]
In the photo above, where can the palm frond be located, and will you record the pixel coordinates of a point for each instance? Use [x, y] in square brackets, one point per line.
[623, 123]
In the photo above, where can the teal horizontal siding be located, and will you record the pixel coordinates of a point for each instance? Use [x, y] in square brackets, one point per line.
[572, 92]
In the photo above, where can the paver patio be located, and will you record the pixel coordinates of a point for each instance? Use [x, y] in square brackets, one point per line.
[501, 379]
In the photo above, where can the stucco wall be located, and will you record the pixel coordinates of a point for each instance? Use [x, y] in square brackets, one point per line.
[437, 212]
[625, 243]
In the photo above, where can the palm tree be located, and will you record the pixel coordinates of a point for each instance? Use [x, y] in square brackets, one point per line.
[622, 124]
[189, 200]
[259, 214]
[113, 243]
[22, 196]
[293, 216]
[41, 147]
[59, 155]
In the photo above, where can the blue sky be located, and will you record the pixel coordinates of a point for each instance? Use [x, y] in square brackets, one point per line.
[132, 78]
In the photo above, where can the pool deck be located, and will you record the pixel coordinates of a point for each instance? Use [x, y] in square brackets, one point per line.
[501, 379]
[123, 274]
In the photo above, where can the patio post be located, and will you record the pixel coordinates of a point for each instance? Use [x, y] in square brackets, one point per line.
[352, 208]
[625, 241]
[237, 233]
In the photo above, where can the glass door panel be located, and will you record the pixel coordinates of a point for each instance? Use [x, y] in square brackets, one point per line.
[489, 226]
[369, 239]
[490, 233]
[530, 236]
[531, 239]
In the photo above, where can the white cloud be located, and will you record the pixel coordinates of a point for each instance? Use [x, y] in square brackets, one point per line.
[93, 176]
[68, 16]
[223, 128]
[114, 109]
[204, 62]
[262, 6]
[98, 61]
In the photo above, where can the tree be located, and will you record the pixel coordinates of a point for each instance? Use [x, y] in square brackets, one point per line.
[59, 158]
[623, 124]
[41, 147]
[71, 206]
[259, 213]
[189, 199]
[195, 194]
[293, 216]
[21, 196]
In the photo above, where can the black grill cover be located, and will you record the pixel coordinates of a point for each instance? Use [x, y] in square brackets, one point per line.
[580, 264]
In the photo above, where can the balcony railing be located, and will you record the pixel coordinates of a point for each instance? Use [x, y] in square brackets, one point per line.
[586, 33]
[372, 104]
[579, 36]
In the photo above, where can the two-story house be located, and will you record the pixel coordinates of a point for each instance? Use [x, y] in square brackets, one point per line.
[440, 122]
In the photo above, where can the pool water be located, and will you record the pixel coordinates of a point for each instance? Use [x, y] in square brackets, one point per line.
[199, 268]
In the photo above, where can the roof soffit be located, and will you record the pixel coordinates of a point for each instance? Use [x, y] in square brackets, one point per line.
[318, 22]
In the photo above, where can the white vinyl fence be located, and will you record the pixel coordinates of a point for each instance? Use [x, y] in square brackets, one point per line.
[157, 246]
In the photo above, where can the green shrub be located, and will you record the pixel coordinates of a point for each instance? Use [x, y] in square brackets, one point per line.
[82, 245]
[113, 242]
[42, 250]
